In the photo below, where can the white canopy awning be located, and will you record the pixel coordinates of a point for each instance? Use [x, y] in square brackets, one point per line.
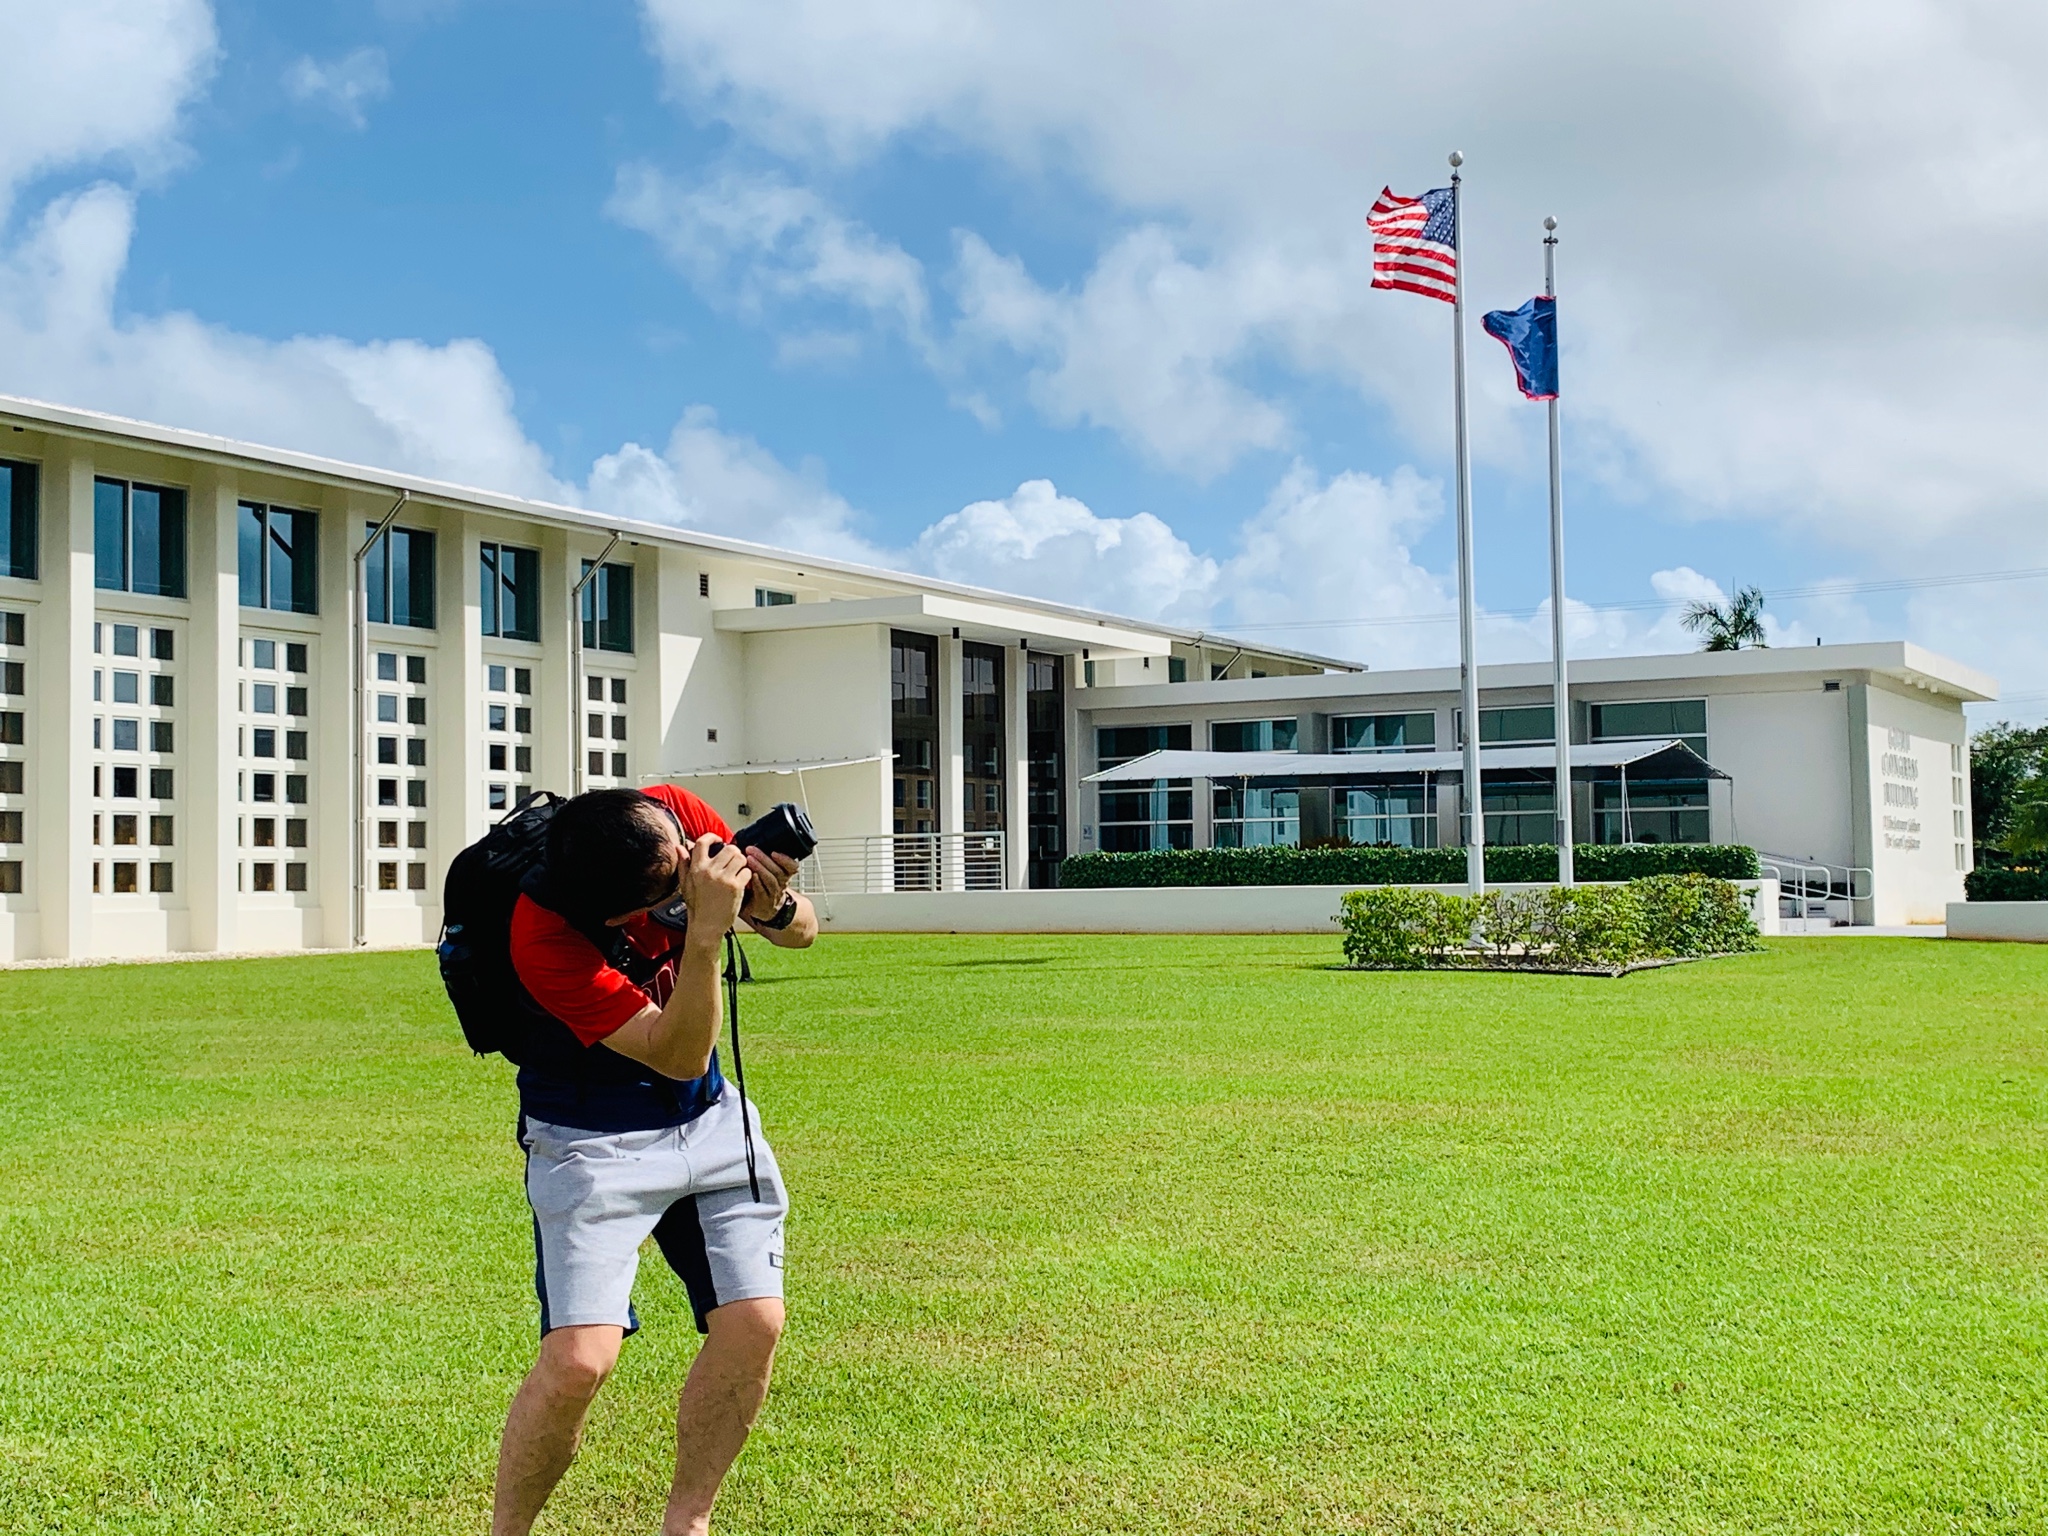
[742, 770]
[1359, 766]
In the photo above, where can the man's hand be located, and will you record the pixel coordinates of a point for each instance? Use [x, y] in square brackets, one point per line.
[772, 873]
[715, 887]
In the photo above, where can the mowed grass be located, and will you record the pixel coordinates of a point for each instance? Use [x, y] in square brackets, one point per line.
[1134, 1234]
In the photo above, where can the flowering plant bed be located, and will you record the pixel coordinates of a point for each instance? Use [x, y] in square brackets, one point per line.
[1591, 930]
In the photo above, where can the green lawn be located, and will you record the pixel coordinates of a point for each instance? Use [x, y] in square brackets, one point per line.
[1142, 1234]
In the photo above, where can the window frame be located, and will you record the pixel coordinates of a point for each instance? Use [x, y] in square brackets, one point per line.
[522, 587]
[171, 563]
[303, 595]
[21, 520]
[606, 609]
[380, 584]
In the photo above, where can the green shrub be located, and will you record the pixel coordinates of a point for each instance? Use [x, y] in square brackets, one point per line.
[1400, 866]
[1555, 928]
[2006, 885]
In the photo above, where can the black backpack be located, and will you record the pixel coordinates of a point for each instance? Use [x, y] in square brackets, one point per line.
[477, 898]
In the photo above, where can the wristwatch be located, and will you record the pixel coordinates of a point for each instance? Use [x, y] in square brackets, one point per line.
[784, 914]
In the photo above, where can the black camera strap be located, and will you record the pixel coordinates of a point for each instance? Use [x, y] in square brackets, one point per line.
[739, 1070]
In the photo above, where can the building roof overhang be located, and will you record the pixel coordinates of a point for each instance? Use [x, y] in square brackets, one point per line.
[1668, 758]
[942, 613]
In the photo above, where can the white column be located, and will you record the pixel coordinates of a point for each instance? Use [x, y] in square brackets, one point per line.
[557, 718]
[952, 767]
[207, 713]
[1017, 782]
[344, 519]
[60, 752]
[455, 705]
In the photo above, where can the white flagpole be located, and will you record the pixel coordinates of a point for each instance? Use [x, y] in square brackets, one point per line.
[1561, 706]
[1468, 624]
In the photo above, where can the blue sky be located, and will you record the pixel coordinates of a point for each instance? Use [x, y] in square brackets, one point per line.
[837, 273]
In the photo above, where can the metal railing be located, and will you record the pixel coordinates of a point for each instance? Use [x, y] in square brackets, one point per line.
[906, 861]
[1823, 892]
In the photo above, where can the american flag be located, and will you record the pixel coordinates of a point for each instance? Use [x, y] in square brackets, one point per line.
[1415, 244]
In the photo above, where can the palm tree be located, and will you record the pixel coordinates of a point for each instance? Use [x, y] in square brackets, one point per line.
[1729, 626]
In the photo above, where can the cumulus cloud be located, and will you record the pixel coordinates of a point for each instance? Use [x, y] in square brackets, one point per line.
[93, 79]
[344, 85]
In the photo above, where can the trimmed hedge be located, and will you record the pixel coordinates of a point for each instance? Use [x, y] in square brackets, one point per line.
[1580, 928]
[2006, 885]
[1401, 866]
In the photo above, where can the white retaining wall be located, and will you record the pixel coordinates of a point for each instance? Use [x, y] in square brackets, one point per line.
[2024, 922]
[1151, 909]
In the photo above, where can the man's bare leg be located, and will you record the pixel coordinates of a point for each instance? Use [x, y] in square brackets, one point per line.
[720, 1398]
[546, 1422]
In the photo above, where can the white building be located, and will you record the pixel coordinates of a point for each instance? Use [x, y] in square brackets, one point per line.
[231, 721]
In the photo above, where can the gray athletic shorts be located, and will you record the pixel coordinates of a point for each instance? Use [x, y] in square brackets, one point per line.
[597, 1197]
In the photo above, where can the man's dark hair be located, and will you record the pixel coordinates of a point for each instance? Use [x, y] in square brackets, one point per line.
[606, 852]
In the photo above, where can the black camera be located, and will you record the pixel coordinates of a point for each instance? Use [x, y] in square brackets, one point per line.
[785, 829]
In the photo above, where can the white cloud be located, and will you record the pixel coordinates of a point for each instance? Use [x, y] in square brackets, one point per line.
[92, 79]
[343, 86]
[437, 410]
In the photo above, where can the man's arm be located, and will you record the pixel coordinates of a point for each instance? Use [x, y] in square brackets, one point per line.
[676, 1039]
[771, 875]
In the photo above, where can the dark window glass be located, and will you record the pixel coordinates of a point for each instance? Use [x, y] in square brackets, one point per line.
[263, 786]
[160, 736]
[110, 535]
[416, 792]
[124, 879]
[387, 749]
[295, 833]
[618, 765]
[510, 591]
[18, 521]
[163, 691]
[608, 609]
[398, 574]
[295, 788]
[127, 735]
[415, 711]
[124, 783]
[249, 555]
[295, 701]
[415, 669]
[161, 783]
[10, 877]
[263, 742]
[11, 722]
[618, 690]
[160, 830]
[522, 759]
[160, 878]
[416, 752]
[14, 631]
[1529, 723]
[1383, 733]
[295, 656]
[295, 746]
[279, 553]
[1252, 736]
[12, 778]
[1118, 744]
[156, 525]
[522, 680]
[295, 877]
[522, 719]
[162, 646]
[10, 826]
[127, 640]
[387, 667]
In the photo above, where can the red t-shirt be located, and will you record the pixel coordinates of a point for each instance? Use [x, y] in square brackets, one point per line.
[563, 970]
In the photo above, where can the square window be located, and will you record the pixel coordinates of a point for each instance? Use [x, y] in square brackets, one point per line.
[127, 640]
[10, 827]
[262, 877]
[416, 834]
[496, 717]
[11, 775]
[163, 692]
[161, 736]
[497, 757]
[597, 690]
[124, 783]
[597, 765]
[127, 735]
[597, 727]
[415, 669]
[387, 834]
[14, 630]
[415, 711]
[10, 877]
[263, 832]
[263, 787]
[416, 793]
[387, 749]
[522, 679]
[387, 877]
[416, 752]
[124, 879]
[13, 677]
[522, 759]
[160, 830]
[387, 667]
[12, 725]
[496, 676]
[295, 656]
[295, 701]
[618, 690]
[522, 719]
[387, 708]
[160, 780]
[263, 699]
[160, 645]
[160, 879]
[263, 655]
[295, 877]
[415, 877]
[295, 832]
[263, 742]
[295, 788]
[127, 687]
[387, 791]
[618, 765]
[618, 727]
[295, 746]
[496, 794]
[124, 831]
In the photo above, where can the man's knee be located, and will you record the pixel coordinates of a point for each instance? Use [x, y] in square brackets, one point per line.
[575, 1361]
[755, 1324]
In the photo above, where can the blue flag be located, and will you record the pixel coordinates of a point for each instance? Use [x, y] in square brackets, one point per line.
[1530, 335]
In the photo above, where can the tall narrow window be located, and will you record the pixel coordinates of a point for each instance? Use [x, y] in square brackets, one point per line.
[18, 520]
[608, 609]
[509, 586]
[138, 538]
[398, 575]
[278, 557]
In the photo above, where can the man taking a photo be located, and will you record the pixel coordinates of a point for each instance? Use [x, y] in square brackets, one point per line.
[630, 1130]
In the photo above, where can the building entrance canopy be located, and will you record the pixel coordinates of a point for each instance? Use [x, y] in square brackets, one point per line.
[1596, 760]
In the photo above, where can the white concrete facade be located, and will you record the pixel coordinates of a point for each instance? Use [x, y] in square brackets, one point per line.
[179, 767]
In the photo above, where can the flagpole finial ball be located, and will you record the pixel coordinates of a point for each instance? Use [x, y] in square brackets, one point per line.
[1457, 158]
[1549, 222]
